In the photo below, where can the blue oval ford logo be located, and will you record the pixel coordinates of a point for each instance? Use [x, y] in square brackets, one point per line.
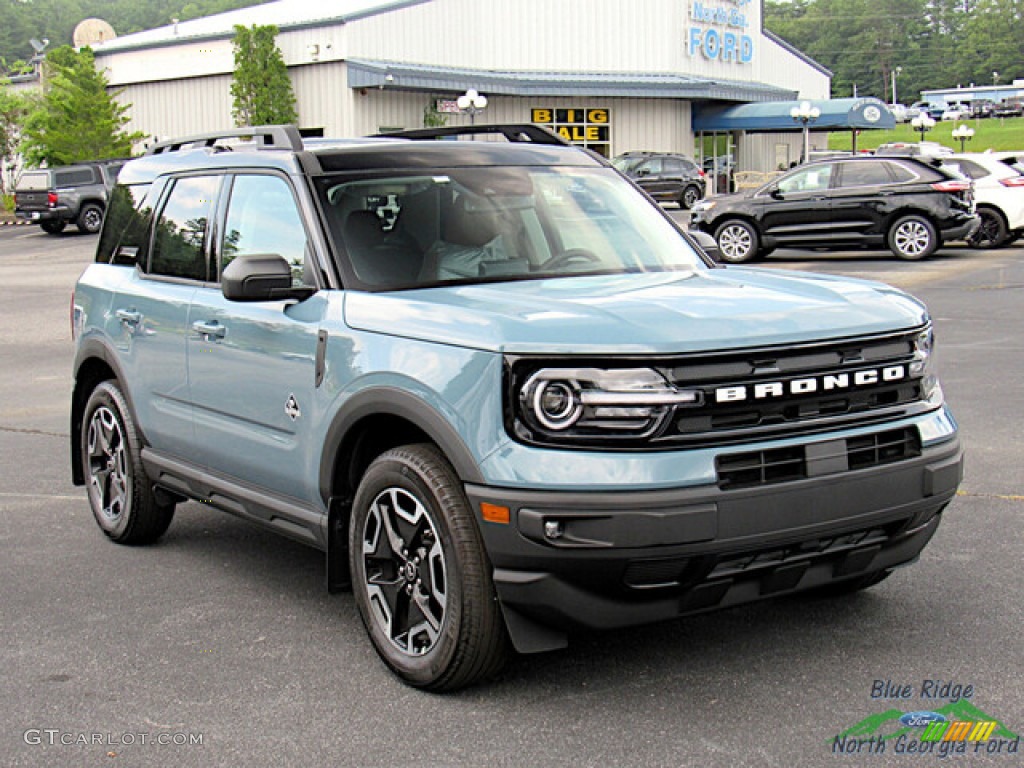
[921, 719]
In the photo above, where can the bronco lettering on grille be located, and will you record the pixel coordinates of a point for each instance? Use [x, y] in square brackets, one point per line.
[810, 385]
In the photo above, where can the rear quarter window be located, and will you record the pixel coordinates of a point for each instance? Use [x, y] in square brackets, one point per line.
[127, 222]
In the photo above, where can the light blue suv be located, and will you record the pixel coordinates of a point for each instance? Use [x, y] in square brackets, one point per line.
[497, 386]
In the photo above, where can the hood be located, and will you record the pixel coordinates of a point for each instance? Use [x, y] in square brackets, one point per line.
[644, 314]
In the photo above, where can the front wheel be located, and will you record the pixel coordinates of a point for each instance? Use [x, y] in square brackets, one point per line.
[913, 238]
[120, 493]
[737, 241]
[420, 575]
[992, 233]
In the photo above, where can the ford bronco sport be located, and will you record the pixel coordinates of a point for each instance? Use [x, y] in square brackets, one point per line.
[497, 386]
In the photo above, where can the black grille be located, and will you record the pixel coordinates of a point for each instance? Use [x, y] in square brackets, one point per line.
[780, 465]
[751, 395]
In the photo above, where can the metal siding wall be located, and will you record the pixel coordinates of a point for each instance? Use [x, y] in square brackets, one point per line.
[179, 107]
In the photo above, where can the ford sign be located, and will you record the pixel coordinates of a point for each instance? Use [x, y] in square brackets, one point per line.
[921, 719]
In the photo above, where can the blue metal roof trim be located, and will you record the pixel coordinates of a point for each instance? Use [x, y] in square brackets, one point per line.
[146, 39]
[774, 116]
[417, 77]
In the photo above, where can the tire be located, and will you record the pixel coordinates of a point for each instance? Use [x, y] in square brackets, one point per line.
[53, 227]
[737, 241]
[850, 586]
[993, 232]
[90, 219]
[420, 575]
[120, 493]
[912, 238]
[689, 197]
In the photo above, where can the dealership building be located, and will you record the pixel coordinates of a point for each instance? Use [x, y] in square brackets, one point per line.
[611, 75]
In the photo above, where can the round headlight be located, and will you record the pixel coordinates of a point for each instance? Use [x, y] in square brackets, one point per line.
[556, 404]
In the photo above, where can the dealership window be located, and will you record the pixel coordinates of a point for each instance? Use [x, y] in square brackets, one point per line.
[588, 127]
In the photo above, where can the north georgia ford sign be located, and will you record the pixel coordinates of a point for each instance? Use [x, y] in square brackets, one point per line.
[831, 382]
[728, 44]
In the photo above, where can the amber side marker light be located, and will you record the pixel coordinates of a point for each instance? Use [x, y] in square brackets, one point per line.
[492, 513]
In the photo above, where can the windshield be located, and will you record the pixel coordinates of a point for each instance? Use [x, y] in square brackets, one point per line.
[626, 164]
[490, 224]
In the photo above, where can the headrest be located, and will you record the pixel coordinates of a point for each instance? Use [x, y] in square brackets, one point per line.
[470, 227]
[363, 228]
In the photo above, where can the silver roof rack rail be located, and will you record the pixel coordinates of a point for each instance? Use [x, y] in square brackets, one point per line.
[519, 132]
[265, 136]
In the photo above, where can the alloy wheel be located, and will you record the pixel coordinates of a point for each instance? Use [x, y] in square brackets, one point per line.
[108, 464]
[405, 571]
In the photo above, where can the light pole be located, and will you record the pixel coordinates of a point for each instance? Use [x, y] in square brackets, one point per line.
[895, 73]
[472, 103]
[805, 114]
[962, 134]
[995, 78]
[922, 123]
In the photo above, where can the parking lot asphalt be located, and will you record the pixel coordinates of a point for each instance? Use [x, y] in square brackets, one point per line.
[220, 646]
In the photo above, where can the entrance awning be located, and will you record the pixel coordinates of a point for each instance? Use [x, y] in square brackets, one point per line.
[775, 116]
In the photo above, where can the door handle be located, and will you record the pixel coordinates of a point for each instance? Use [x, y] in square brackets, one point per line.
[129, 316]
[209, 330]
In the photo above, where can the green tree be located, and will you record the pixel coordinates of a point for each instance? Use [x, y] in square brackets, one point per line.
[262, 90]
[13, 109]
[76, 119]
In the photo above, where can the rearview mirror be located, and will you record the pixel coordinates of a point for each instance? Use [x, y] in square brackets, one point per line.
[261, 277]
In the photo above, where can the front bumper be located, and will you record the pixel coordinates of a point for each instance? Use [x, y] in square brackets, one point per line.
[570, 560]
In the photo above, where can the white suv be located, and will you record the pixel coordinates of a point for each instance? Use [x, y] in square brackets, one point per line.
[998, 193]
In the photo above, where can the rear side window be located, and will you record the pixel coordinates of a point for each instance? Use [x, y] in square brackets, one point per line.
[126, 226]
[861, 174]
[75, 178]
[970, 168]
[179, 241]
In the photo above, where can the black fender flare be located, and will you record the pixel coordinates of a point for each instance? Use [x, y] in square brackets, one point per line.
[392, 401]
[93, 349]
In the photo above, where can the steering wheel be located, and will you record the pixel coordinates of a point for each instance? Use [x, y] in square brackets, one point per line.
[566, 257]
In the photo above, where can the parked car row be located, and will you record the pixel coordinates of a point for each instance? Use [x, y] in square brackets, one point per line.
[977, 108]
[909, 203]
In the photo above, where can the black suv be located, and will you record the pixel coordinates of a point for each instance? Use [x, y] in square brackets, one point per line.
[664, 176]
[76, 194]
[907, 204]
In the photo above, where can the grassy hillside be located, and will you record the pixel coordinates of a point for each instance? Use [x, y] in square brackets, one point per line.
[991, 133]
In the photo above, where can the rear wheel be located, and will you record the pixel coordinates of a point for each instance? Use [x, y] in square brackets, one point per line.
[912, 238]
[737, 241]
[993, 232]
[90, 218]
[689, 197]
[120, 493]
[53, 227]
[420, 575]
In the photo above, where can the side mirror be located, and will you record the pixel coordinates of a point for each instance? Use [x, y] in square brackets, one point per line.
[706, 243]
[643, 172]
[775, 193]
[260, 277]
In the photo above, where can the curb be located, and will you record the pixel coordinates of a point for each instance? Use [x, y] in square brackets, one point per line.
[14, 223]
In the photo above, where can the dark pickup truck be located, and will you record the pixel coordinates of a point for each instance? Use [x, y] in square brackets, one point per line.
[52, 197]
